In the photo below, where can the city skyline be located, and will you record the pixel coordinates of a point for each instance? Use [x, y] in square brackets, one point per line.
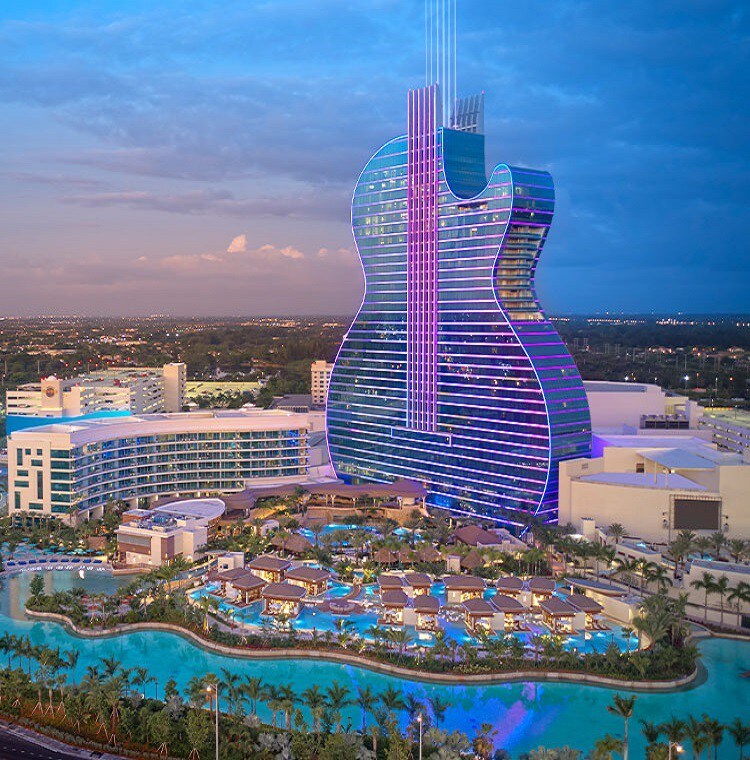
[189, 164]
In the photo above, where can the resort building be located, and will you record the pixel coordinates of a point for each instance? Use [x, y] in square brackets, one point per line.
[320, 377]
[616, 603]
[75, 468]
[729, 429]
[451, 373]
[271, 569]
[313, 579]
[417, 584]
[282, 599]
[227, 579]
[540, 589]
[479, 615]
[248, 588]
[499, 539]
[423, 613]
[655, 485]
[512, 613]
[629, 407]
[509, 585]
[155, 537]
[561, 617]
[459, 588]
[394, 603]
[119, 391]
[590, 608]
[387, 582]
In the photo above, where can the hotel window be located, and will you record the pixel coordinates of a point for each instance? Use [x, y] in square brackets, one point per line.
[19, 456]
[40, 485]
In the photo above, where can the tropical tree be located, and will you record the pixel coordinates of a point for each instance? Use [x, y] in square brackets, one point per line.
[338, 699]
[615, 531]
[740, 732]
[366, 699]
[623, 706]
[714, 733]
[392, 701]
[606, 746]
[695, 733]
[315, 701]
[253, 690]
[439, 707]
[707, 584]
[721, 588]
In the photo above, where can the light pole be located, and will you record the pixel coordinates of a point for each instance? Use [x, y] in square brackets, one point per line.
[678, 748]
[215, 689]
[419, 720]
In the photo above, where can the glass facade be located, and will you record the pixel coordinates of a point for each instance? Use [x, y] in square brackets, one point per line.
[451, 374]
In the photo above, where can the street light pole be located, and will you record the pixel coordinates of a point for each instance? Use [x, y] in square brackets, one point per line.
[210, 690]
[678, 748]
[419, 720]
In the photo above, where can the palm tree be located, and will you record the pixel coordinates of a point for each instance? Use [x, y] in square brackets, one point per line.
[718, 541]
[252, 689]
[707, 584]
[338, 699]
[738, 548]
[604, 748]
[110, 666]
[739, 594]
[287, 701]
[71, 660]
[392, 701]
[366, 699]
[740, 733]
[231, 683]
[714, 732]
[674, 730]
[623, 706]
[695, 732]
[615, 531]
[315, 701]
[721, 587]
[439, 707]
[651, 732]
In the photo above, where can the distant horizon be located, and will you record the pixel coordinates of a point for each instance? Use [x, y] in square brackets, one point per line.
[341, 316]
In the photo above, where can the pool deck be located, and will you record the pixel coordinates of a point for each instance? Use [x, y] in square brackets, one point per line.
[351, 658]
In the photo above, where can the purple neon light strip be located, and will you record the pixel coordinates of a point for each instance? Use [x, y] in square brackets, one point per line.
[422, 199]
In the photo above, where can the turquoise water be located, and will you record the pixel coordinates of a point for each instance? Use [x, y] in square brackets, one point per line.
[310, 619]
[525, 714]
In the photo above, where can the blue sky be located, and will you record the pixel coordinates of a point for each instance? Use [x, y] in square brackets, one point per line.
[192, 157]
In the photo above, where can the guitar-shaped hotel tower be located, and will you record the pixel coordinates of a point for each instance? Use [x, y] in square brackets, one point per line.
[451, 374]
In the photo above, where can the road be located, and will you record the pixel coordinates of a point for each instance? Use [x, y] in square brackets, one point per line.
[16, 746]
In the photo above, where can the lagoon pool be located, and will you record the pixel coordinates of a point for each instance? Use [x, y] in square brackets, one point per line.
[526, 715]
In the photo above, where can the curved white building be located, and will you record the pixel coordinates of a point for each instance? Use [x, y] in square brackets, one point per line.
[76, 468]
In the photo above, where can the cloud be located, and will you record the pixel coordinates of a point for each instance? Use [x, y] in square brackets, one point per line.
[238, 244]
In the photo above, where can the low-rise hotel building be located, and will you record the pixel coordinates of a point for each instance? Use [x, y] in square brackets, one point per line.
[119, 391]
[156, 537]
[76, 468]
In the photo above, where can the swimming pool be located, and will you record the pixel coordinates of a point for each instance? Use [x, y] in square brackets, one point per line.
[526, 714]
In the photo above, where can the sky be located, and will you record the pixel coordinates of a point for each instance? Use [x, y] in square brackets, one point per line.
[195, 157]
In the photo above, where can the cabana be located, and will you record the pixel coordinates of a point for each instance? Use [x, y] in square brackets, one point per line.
[394, 602]
[512, 611]
[541, 589]
[295, 544]
[385, 556]
[228, 577]
[558, 615]
[313, 579]
[387, 582]
[248, 588]
[590, 608]
[479, 615]
[283, 599]
[428, 553]
[426, 608]
[417, 584]
[459, 588]
[472, 561]
[509, 585]
[270, 568]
